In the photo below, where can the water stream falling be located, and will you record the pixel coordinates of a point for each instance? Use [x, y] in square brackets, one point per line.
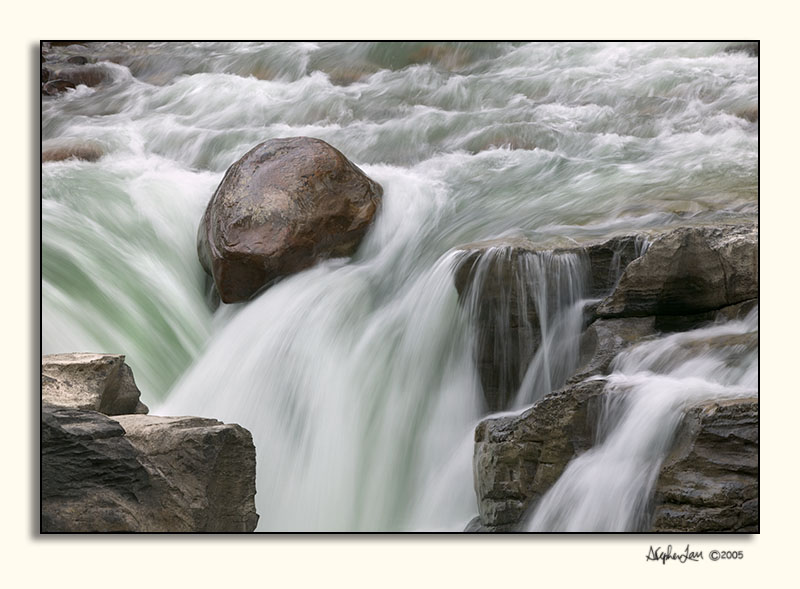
[607, 488]
[357, 377]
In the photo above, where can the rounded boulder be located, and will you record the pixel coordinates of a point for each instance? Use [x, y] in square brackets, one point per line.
[287, 204]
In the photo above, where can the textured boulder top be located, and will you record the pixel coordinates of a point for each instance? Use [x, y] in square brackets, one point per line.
[283, 206]
[87, 381]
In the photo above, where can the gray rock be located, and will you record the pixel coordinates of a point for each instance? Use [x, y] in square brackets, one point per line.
[518, 458]
[751, 48]
[209, 464]
[285, 205]
[96, 382]
[687, 271]
[605, 338]
[103, 474]
[709, 482]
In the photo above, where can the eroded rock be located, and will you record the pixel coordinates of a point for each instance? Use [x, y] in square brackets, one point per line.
[94, 480]
[89, 74]
[285, 205]
[518, 458]
[709, 482]
[210, 467]
[605, 338]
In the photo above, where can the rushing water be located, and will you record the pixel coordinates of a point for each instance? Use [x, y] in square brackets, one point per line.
[607, 488]
[356, 377]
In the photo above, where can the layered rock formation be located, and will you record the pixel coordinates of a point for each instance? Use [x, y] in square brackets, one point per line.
[685, 277]
[517, 459]
[285, 205]
[709, 482]
[106, 471]
[689, 270]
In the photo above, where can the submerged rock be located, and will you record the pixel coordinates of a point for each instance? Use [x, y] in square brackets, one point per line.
[689, 270]
[96, 382]
[285, 205]
[58, 150]
[139, 473]
[709, 482]
[89, 74]
[54, 87]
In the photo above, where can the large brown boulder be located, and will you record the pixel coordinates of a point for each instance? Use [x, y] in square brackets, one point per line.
[285, 205]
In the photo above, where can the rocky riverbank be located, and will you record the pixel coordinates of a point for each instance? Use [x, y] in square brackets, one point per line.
[107, 466]
[641, 288]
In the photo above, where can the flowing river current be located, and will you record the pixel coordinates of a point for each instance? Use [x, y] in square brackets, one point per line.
[356, 377]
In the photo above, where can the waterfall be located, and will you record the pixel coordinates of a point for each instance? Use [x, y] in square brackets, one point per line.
[358, 377]
[607, 489]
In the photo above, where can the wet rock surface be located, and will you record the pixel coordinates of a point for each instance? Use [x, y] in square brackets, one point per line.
[285, 205]
[686, 278]
[709, 482]
[518, 458]
[66, 149]
[496, 280]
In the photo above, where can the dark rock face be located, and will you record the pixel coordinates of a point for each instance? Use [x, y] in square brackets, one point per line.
[687, 271]
[496, 281]
[605, 338]
[99, 474]
[517, 459]
[285, 205]
[95, 382]
[709, 482]
[107, 467]
[94, 480]
[751, 48]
